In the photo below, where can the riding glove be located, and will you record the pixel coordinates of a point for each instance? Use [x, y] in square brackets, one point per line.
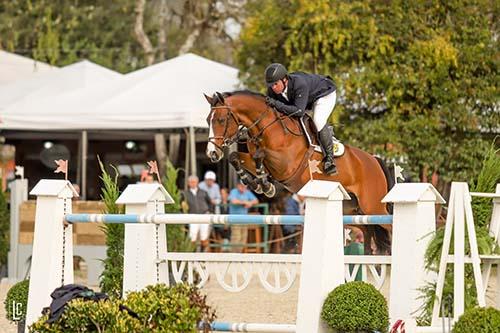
[290, 110]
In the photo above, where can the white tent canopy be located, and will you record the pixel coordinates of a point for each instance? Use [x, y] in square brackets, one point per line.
[165, 95]
[20, 100]
[14, 67]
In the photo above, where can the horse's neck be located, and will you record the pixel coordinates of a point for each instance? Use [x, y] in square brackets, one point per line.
[276, 134]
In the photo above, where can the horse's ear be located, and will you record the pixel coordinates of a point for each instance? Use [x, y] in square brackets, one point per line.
[221, 98]
[209, 99]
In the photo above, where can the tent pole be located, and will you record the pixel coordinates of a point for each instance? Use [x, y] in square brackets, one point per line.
[79, 162]
[84, 165]
[186, 159]
[192, 150]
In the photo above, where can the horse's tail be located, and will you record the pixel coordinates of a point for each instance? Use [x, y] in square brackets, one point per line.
[381, 235]
[389, 177]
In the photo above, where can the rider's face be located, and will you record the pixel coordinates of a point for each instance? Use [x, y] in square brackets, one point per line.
[279, 86]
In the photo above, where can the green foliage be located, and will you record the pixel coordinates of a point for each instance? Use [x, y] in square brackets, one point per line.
[177, 239]
[426, 86]
[160, 309]
[17, 294]
[484, 320]
[62, 32]
[89, 316]
[112, 275]
[175, 309]
[356, 306]
[262, 39]
[4, 229]
[487, 180]
[428, 295]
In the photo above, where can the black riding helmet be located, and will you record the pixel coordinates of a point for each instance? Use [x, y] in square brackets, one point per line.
[275, 72]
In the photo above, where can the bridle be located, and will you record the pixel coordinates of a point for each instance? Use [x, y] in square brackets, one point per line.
[227, 141]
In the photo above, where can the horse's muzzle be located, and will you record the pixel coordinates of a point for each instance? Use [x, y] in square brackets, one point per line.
[214, 156]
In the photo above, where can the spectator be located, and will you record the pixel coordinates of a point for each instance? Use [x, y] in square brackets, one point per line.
[294, 205]
[356, 247]
[224, 232]
[240, 199]
[198, 202]
[77, 190]
[224, 197]
[212, 188]
[146, 177]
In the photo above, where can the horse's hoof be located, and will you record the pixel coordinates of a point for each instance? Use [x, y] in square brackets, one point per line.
[271, 191]
[331, 171]
[258, 189]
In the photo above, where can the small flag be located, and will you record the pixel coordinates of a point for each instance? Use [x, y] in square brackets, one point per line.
[19, 171]
[153, 169]
[398, 173]
[313, 168]
[62, 166]
[398, 327]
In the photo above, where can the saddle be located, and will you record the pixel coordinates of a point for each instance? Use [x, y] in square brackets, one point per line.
[310, 131]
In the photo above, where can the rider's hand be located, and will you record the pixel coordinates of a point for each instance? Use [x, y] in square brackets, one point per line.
[270, 101]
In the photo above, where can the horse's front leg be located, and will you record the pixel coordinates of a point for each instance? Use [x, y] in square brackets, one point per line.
[262, 176]
[244, 166]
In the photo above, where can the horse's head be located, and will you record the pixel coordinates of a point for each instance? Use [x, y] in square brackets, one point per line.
[223, 127]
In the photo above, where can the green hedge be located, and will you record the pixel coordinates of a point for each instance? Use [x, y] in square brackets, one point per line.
[484, 320]
[356, 306]
[17, 294]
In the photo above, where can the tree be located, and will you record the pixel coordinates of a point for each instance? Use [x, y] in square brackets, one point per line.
[122, 34]
[417, 80]
[63, 32]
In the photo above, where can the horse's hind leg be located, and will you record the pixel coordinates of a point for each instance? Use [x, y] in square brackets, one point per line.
[262, 177]
[244, 166]
[370, 203]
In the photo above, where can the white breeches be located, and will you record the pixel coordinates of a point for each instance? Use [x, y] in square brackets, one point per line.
[322, 109]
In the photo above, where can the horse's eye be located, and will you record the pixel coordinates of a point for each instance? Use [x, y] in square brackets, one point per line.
[221, 120]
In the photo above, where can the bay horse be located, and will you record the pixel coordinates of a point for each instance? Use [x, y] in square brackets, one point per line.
[278, 152]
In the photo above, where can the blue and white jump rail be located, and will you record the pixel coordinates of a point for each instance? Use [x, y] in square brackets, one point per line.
[321, 264]
[217, 219]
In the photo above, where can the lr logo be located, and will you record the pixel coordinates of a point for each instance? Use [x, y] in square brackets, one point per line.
[17, 310]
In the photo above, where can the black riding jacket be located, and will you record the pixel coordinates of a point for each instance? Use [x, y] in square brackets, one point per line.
[303, 90]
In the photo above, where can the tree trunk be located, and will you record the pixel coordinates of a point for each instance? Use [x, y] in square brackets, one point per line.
[162, 30]
[140, 35]
[188, 44]
[161, 152]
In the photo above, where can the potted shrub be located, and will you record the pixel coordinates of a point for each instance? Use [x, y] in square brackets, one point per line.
[154, 309]
[356, 307]
[16, 303]
[484, 320]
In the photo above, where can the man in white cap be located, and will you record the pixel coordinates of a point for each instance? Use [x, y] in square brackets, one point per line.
[212, 188]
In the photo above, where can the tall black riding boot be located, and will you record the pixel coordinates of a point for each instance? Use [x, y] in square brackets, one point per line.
[326, 141]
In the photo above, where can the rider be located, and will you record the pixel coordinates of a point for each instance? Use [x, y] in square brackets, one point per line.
[293, 93]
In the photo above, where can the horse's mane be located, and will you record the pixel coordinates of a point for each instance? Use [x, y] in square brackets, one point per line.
[219, 98]
[243, 92]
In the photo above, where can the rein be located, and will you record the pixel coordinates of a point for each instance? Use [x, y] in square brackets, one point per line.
[253, 138]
